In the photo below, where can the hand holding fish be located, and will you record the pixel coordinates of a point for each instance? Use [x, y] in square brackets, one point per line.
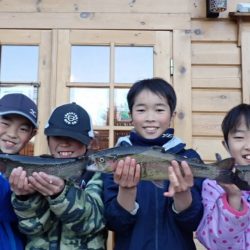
[47, 185]
[127, 173]
[181, 180]
[19, 182]
[127, 176]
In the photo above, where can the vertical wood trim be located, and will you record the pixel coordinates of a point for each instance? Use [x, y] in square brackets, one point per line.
[44, 94]
[111, 95]
[162, 54]
[245, 51]
[54, 62]
[63, 67]
[182, 85]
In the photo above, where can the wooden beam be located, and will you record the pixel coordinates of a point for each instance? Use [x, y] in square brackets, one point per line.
[94, 20]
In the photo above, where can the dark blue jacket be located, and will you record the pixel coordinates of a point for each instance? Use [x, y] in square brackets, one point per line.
[10, 238]
[155, 226]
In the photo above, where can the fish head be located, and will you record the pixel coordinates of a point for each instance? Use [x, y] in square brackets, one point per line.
[101, 163]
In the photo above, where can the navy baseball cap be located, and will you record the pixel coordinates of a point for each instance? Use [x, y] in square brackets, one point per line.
[19, 104]
[70, 120]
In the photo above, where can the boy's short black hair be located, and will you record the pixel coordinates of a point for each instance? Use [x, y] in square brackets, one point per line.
[155, 85]
[233, 118]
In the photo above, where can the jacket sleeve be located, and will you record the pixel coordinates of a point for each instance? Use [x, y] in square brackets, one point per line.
[33, 214]
[118, 219]
[6, 212]
[222, 227]
[81, 210]
[189, 219]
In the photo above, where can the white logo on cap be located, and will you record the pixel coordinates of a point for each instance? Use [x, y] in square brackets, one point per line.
[33, 112]
[71, 118]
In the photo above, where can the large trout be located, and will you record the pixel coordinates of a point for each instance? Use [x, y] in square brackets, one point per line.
[154, 165]
[66, 168]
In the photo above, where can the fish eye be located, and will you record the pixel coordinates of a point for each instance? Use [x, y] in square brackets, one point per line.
[101, 160]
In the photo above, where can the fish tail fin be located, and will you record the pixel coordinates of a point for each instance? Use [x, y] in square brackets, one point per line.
[225, 168]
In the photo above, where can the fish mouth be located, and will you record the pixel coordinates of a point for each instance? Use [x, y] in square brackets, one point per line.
[92, 167]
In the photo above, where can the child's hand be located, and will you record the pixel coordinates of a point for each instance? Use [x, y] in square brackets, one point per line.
[233, 195]
[127, 173]
[45, 184]
[181, 180]
[19, 182]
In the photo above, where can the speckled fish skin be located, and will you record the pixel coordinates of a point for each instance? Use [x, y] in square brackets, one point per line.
[154, 164]
[66, 168]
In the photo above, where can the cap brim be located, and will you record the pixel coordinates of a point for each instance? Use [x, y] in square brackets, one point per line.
[66, 133]
[14, 112]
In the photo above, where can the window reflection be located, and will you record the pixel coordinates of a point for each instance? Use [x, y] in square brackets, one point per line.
[122, 114]
[90, 64]
[19, 63]
[95, 101]
[100, 141]
[133, 63]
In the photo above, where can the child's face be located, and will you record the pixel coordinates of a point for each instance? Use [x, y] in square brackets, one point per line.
[15, 133]
[151, 114]
[65, 147]
[239, 144]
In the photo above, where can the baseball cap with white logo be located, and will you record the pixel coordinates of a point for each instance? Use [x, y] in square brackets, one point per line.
[70, 120]
[19, 104]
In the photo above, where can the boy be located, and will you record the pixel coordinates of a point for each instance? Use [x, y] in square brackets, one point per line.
[18, 124]
[61, 215]
[142, 215]
[226, 220]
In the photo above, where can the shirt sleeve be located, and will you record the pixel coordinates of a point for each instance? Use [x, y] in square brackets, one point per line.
[118, 219]
[34, 215]
[189, 219]
[77, 207]
[6, 212]
[222, 227]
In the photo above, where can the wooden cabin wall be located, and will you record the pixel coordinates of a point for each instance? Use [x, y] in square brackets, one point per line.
[217, 83]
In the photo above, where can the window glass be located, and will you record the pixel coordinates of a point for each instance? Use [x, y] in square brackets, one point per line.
[122, 114]
[19, 63]
[29, 91]
[133, 63]
[95, 101]
[90, 64]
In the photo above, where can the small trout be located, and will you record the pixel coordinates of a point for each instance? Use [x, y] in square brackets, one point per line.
[66, 168]
[154, 163]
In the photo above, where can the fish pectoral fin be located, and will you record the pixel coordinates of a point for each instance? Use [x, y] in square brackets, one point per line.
[159, 184]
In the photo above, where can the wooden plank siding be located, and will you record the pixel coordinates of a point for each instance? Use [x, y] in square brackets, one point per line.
[216, 80]
[211, 55]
